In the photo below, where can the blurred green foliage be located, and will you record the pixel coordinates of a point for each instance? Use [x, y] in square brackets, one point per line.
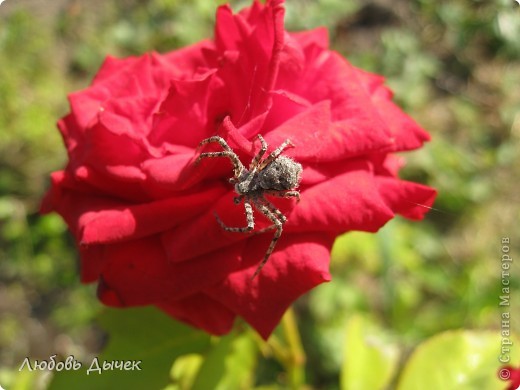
[454, 65]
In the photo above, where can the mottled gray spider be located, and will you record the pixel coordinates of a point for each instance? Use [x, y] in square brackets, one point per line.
[275, 175]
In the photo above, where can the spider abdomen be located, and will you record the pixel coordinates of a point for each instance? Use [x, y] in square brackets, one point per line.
[281, 174]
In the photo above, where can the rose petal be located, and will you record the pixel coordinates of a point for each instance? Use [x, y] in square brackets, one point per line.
[318, 37]
[183, 243]
[92, 262]
[201, 311]
[72, 204]
[317, 139]
[129, 116]
[348, 201]
[300, 263]
[111, 66]
[104, 147]
[100, 219]
[406, 133]
[182, 63]
[182, 117]
[86, 104]
[130, 222]
[390, 165]
[129, 188]
[139, 273]
[126, 173]
[229, 30]
[364, 103]
[411, 200]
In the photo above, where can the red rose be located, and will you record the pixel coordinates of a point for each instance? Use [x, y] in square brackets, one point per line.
[511, 375]
[143, 213]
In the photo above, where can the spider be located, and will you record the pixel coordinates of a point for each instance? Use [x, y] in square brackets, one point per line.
[276, 175]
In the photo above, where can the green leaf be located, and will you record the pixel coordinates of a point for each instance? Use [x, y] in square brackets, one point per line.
[370, 358]
[184, 371]
[457, 360]
[138, 334]
[229, 365]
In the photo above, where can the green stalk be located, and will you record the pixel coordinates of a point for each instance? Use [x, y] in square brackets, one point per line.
[295, 358]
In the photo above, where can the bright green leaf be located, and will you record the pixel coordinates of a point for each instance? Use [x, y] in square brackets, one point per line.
[229, 365]
[457, 360]
[370, 358]
[184, 371]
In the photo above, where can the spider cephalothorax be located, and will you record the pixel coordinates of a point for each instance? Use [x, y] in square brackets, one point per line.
[275, 175]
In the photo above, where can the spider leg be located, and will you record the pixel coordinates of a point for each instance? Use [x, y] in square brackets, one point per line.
[249, 217]
[274, 154]
[264, 230]
[218, 140]
[278, 225]
[273, 209]
[260, 153]
[284, 194]
[238, 168]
